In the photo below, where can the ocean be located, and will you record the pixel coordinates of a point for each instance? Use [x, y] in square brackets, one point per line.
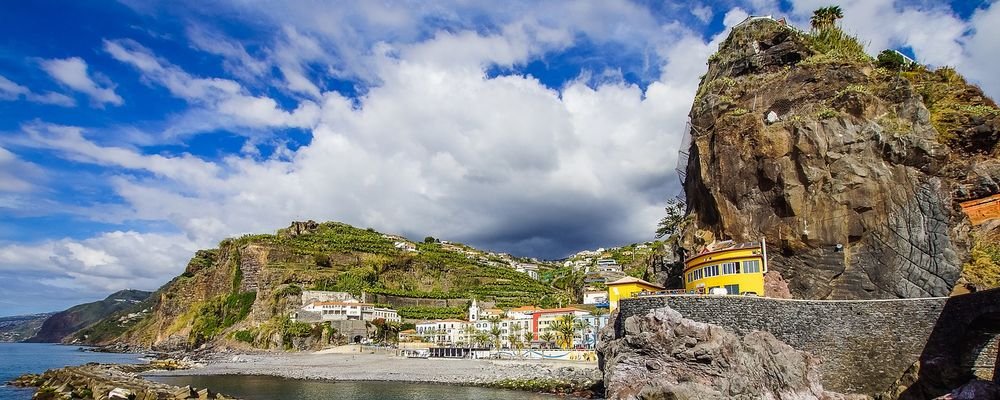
[17, 359]
[21, 358]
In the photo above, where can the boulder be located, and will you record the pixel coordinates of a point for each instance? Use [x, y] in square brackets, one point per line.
[661, 355]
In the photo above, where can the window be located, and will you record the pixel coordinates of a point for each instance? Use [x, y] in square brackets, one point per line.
[690, 277]
[711, 270]
[697, 274]
[751, 266]
[733, 289]
[731, 268]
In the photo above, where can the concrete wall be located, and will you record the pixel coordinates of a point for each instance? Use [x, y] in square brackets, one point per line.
[864, 345]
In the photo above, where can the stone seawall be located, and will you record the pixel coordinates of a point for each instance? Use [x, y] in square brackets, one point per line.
[864, 345]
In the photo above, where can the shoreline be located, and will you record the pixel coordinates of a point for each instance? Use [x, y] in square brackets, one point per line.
[548, 376]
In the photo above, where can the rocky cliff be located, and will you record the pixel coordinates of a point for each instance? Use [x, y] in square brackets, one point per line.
[62, 324]
[850, 170]
[242, 293]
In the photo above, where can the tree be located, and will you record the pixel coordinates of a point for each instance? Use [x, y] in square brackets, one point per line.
[564, 328]
[671, 223]
[893, 61]
[581, 326]
[826, 17]
[528, 336]
[430, 239]
[547, 337]
[470, 332]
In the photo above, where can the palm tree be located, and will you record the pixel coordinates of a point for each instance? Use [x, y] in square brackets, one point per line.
[528, 336]
[470, 332]
[564, 329]
[482, 338]
[580, 327]
[495, 330]
[825, 17]
[546, 337]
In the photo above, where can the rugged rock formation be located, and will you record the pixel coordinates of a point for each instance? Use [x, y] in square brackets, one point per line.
[103, 382]
[661, 355]
[64, 323]
[849, 171]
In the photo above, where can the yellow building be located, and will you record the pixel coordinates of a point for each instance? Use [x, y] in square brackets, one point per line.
[625, 288]
[739, 269]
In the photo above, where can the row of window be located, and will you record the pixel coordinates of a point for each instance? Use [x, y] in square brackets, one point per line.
[729, 268]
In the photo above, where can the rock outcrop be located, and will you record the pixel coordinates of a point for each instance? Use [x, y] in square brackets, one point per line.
[109, 381]
[662, 355]
[849, 171]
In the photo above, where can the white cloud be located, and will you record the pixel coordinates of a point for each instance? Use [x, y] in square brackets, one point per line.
[107, 262]
[932, 30]
[11, 91]
[438, 148]
[702, 12]
[72, 72]
[16, 175]
[981, 50]
[227, 102]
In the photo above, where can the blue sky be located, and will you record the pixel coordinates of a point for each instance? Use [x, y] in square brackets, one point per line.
[133, 133]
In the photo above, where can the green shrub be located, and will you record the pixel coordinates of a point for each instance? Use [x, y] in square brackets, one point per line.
[214, 316]
[827, 113]
[893, 61]
[246, 336]
[833, 45]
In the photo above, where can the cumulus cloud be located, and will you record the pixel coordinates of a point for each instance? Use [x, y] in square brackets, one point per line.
[72, 72]
[105, 263]
[230, 104]
[11, 91]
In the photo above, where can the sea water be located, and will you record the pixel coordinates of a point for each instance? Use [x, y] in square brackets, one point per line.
[17, 359]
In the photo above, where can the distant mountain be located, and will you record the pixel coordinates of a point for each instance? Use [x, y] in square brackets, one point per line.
[62, 324]
[20, 327]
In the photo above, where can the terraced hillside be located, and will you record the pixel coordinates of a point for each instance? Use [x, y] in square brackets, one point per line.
[250, 285]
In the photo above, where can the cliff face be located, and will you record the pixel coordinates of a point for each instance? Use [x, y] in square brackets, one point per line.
[64, 323]
[850, 172]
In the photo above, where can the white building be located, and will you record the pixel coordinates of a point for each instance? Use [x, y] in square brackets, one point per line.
[608, 265]
[595, 296]
[527, 268]
[444, 331]
[350, 310]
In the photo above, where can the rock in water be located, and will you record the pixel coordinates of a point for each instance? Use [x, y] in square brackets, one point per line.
[838, 164]
[662, 355]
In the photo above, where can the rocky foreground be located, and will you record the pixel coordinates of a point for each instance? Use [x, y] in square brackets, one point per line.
[665, 356]
[109, 381]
